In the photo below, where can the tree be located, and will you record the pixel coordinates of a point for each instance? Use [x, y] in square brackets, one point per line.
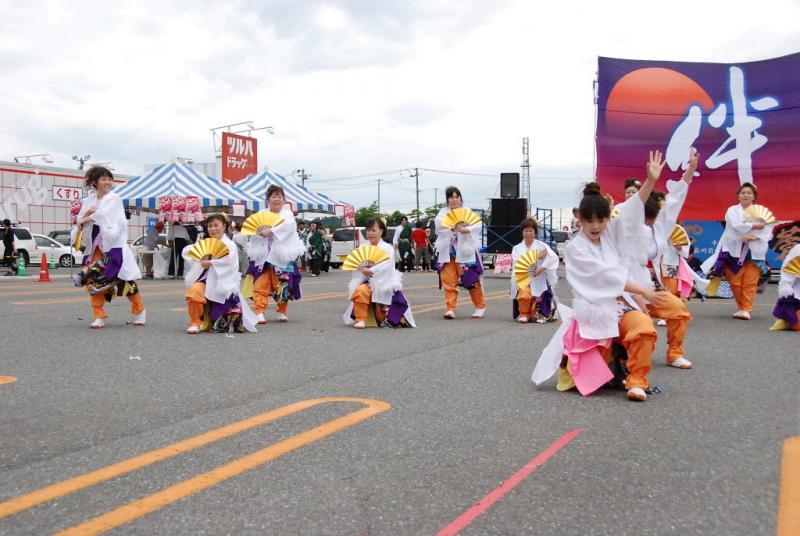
[394, 218]
[431, 212]
[365, 213]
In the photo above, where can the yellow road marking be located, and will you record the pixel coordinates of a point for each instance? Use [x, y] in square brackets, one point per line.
[174, 493]
[789, 509]
[7, 379]
[427, 308]
[83, 298]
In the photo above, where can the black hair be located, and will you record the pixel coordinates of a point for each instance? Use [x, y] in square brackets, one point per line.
[6, 223]
[752, 188]
[418, 225]
[530, 223]
[632, 181]
[95, 173]
[301, 222]
[452, 190]
[378, 222]
[653, 205]
[273, 188]
[404, 218]
[593, 203]
[221, 216]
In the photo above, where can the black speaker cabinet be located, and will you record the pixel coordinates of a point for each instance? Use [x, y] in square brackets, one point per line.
[509, 185]
[502, 239]
[509, 212]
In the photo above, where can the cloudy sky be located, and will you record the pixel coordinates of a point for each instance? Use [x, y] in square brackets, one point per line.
[351, 87]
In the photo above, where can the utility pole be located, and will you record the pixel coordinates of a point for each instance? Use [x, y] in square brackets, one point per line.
[379, 198]
[435, 196]
[526, 172]
[303, 176]
[416, 176]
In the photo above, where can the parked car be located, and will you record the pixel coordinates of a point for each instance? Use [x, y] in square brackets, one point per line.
[138, 245]
[342, 243]
[26, 245]
[561, 239]
[64, 255]
[61, 236]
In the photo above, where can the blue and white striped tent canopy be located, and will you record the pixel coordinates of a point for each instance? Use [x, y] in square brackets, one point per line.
[176, 178]
[302, 199]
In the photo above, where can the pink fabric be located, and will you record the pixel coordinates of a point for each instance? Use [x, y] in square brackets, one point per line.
[685, 279]
[589, 369]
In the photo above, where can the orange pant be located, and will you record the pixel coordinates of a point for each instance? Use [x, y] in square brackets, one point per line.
[744, 284]
[524, 301]
[638, 335]
[677, 316]
[671, 285]
[99, 300]
[195, 302]
[263, 287]
[362, 297]
[450, 274]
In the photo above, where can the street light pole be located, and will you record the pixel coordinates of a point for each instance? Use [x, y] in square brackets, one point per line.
[416, 177]
[379, 198]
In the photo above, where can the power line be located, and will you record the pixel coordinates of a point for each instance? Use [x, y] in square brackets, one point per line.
[461, 173]
[360, 176]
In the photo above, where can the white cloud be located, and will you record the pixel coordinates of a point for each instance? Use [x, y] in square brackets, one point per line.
[353, 86]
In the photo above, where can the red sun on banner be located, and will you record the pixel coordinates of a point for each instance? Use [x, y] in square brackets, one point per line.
[239, 157]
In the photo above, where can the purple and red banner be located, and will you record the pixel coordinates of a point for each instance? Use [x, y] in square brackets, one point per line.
[744, 120]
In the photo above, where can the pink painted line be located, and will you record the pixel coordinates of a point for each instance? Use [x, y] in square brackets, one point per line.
[484, 504]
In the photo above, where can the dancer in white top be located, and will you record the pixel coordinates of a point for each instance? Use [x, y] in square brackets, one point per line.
[788, 306]
[538, 298]
[458, 258]
[604, 308]
[741, 252]
[212, 297]
[273, 253]
[376, 292]
[109, 266]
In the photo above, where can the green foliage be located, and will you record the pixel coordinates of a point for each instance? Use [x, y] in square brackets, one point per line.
[394, 218]
[365, 213]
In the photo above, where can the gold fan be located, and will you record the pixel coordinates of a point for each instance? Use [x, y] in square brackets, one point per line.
[759, 214]
[679, 237]
[260, 220]
[792, 267]
[208, 249]
[525, 266]
[365, 256]
[616, 213]
[460, 215]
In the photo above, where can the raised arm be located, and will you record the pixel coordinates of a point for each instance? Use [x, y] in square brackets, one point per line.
[654, 166]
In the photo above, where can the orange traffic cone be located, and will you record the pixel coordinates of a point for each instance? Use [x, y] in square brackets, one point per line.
[44, 272]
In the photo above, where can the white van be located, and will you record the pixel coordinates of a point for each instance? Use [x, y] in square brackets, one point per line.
[343, 243]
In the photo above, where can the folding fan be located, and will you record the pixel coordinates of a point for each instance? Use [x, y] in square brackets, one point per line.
[78, 240]
[679, 237]
[793, 266]
[208, 249]
[759, 213]
[460, 215]
[616, 213]
[525, 266]
[260, 220]
[365, 256]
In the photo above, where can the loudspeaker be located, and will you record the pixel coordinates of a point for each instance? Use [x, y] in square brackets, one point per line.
[509, 185]
[509, 212]
[502, 239]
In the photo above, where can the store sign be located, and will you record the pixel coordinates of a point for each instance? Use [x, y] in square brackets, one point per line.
[239, 157]
[66, 193]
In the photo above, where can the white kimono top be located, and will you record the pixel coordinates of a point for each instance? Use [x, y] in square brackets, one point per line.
[736, 228]
[283, 247]
[789, 285]
[222, 279]
[597, 274]
[548, 277]
[110, 217]
[659, 249]
[467, 245]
